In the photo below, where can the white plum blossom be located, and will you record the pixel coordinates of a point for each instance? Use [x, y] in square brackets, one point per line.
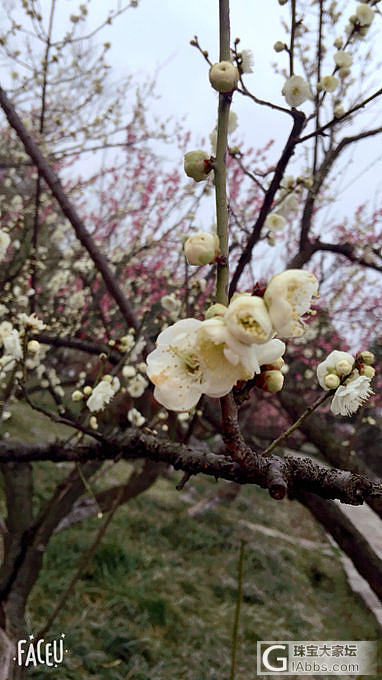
[288, 297]
[248, 320]
[12, 346]
[288, 206]
[170, 303]
[4, 243]
[102, 394]
[128, 371]
[5, 329]
[364, 14]
[135, 417]
[246, 61]
[296, 91]
[350, 396]
[31, 322]
[137, 386]
[202, 357]
[329, 366]
[343, 59]
[275, 222]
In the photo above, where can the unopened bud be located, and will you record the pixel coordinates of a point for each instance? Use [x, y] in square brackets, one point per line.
[367, 357]
[224, 76]
[88, 390]
[77, 395]
[338, 43]
[215, 310]
[272, 381]
[33, 346]
[201, 248]
[279, 46]
[368, 371]
[343, 367]
[332, 381]
[93, 423]
[196, 164]
[108, 378]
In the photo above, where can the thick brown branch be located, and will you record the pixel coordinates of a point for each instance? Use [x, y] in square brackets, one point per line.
[293, 473]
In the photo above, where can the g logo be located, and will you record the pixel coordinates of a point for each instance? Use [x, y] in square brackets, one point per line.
[272, 658]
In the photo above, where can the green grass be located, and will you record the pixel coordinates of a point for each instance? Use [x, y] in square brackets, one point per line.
[157, 601]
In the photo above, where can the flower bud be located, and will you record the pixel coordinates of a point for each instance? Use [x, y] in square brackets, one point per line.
[93, 423]
[332, 381]
[77, 395]
[108, 378]
[368, 371]
[196, 164]
[367, 357]
[271, 381]
[215, 310]
[338, 43]
[33, 346]
[338, 111]
[328, 83]
[343, 367]
[88, 390]
[344, 72]
[365, 14]
[224, 76]
[279, 46]
[201, 248]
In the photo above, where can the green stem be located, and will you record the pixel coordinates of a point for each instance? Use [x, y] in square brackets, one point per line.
[235, 631]
[222, 277]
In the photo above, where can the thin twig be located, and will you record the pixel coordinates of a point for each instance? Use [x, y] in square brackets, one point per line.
[84, 561]
[298, 422]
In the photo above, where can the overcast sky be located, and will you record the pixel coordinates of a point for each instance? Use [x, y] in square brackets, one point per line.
[155, 37]
[157, 34]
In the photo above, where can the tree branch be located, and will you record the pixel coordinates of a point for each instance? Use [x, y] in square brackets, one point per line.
[271, 472]
[69, 211]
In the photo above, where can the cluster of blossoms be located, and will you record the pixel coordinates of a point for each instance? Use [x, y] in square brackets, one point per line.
[12, 342]
[350, 378]
[296, 89]
[209, 357]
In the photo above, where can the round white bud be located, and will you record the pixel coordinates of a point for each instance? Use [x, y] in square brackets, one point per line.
[224, 76]
[279, 46]
[33, 346]
[368, 371]
[93, 423]
[367, 357]
[332, 381]
[343, 367]
[195, 165]
[88, 390]
[272, 381]
[201, 248]
[215, 310]
[77, 395]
